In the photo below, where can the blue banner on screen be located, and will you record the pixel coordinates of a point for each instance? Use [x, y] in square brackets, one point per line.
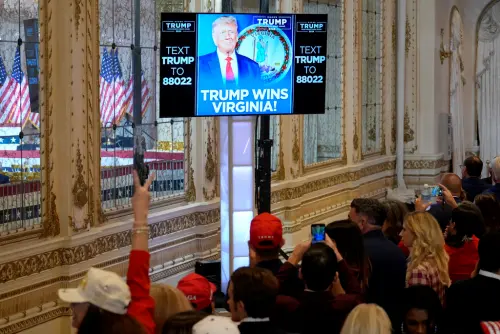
[242, 64]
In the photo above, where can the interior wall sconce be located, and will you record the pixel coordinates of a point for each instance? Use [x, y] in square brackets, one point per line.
[443, 54]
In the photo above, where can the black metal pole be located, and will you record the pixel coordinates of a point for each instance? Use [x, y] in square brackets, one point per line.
[265, 144]
[139, 140]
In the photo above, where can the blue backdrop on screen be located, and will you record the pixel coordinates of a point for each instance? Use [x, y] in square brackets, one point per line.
[245, 64]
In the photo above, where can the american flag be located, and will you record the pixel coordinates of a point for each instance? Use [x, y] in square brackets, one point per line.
[112, 90]
[146, 98]
[6, 91]
[21, 107]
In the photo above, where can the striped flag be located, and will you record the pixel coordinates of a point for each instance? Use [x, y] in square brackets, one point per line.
[21, 107]
[146, 98]
[112, 90]
[6, 91]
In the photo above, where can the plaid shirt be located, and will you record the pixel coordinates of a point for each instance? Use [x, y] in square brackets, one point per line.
[426, 273]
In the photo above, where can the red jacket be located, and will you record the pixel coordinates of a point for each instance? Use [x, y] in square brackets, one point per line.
[142, 306]
[463, 260]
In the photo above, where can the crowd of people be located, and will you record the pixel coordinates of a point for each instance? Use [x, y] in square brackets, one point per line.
[390, 268]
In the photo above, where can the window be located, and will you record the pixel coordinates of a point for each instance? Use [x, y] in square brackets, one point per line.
[371, 80]
[323, 133]
[19, 116]
[163, 139]
[487, 81]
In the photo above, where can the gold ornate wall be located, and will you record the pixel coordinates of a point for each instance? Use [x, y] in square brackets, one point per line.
[77, 233]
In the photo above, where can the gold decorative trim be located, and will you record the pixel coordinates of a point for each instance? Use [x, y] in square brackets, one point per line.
[316, 185]
[209, 163]
[280, 173]
[355, 138]
[425, 164]
[77, 15]
[191, 189]
[80, 189]
[50, 219]
[409, 134]
[37, 320]
[408, 36]
[70, 256]
[296, 145]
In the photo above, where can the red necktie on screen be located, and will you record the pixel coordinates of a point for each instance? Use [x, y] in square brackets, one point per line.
[229, 70]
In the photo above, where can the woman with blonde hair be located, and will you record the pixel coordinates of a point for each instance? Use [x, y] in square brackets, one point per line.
[367, 318]
[168, 302]
[428, 261]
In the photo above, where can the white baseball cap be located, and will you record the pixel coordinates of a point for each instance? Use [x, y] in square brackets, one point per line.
[216, 325]
[102, 288]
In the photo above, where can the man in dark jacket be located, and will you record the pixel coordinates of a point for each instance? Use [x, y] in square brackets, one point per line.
[471, 177]
[388, 263]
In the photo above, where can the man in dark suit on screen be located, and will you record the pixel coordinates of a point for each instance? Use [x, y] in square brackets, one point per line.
[225, 67]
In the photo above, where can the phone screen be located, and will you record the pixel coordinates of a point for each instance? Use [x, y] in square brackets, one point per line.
[318, 233]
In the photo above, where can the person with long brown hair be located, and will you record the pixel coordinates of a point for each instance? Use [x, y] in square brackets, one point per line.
[490, 208]
[428, 261]
[349, 240]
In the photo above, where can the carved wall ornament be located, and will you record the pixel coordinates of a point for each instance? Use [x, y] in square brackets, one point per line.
[409, 135]
[191, 189]
[77, 15]
[408, 36]
[355, 138]
[296, 145]
[80, 188]
[50, 221]
[210, 161]
[74, 227]
[280, 173]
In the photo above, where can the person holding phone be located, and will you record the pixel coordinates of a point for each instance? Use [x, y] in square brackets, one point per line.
[324, 303]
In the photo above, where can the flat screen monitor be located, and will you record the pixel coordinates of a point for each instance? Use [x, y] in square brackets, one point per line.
[242, 64]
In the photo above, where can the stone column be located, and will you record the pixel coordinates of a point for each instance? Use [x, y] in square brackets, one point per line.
[70, 129]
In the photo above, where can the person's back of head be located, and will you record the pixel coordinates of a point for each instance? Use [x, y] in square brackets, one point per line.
[99, 321]
[183, 322]
[466, 221]
[396, 212]
[421, 308]
[367, 212]
[473, 167]
[168, 302]
[319, 267]
[495, 170]
[266, 236]
[252, 293]
[350, 243]
[367, 318]
[489, 250]
[100, 303]
[215, 325]
[490, 208]
[453, 183]
[199, 291]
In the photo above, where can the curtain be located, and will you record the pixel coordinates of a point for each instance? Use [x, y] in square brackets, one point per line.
[488, 85]
[457, 92]
[323, 133]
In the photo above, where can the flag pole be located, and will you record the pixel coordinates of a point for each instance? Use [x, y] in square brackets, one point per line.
[139, 140]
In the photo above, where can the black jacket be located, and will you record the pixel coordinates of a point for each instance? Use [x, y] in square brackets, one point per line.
[388, 274]
[471, 301]
[474, 186]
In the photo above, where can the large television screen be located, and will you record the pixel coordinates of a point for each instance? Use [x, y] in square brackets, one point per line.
[242, 64]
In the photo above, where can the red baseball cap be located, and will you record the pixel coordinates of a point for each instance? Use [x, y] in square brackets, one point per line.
[198, 290]
[266, 232]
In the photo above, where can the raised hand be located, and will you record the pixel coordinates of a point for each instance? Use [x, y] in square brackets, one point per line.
[141, 198]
